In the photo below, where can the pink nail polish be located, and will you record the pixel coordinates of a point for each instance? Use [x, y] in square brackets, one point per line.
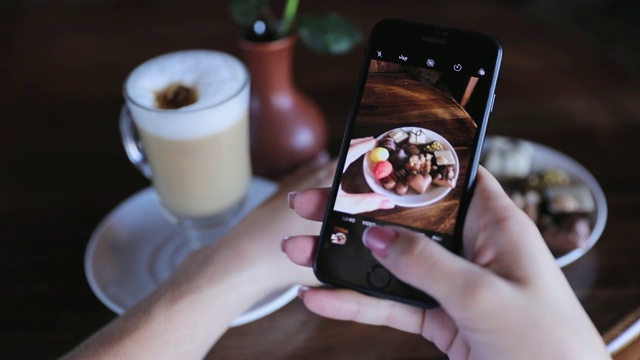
[387, 204]
[283, 242]
[378, 239]
[291, 198]
[302, 291]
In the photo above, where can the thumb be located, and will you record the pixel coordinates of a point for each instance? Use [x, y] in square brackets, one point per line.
[423, 263]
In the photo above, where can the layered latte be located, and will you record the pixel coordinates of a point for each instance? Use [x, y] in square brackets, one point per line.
[191, 110]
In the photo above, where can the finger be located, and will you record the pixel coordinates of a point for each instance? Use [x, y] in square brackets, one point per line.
[434, 324]
[489, 202]
[309, 203]
[358, 148]
[428, 266]
[491, 206]
[439, 328]
[360, 140]
[500, 236]
[299, 249]
[342, 304]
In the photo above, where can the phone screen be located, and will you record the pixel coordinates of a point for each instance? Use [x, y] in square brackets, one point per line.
[409, 156]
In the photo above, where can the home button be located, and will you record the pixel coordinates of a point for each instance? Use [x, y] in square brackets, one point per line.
[378, 277]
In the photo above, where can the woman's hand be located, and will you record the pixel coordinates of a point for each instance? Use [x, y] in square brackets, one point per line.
[361, 202]
[187, 314]
[506, 299]
[252, 246]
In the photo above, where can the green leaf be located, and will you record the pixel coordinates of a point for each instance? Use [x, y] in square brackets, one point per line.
[331, 34]
[245, 12]
[288, 16]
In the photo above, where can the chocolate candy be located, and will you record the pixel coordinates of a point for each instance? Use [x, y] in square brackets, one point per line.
[444, 176]
[417, 137]
[401, 188]
[419, 183]
[399, 136]
[388, 183]
[412, 150]
[444, 157]
[398, 159]
[574, 198]
[388, 143]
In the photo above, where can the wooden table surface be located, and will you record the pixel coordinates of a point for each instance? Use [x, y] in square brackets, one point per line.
[393, 100]
[64, 169]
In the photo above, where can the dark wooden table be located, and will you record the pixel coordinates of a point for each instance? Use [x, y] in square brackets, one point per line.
[62, 68]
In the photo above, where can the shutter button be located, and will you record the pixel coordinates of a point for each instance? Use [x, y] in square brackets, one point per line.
[378, 277]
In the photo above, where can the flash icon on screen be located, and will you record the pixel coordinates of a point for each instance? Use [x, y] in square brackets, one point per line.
[431, 63]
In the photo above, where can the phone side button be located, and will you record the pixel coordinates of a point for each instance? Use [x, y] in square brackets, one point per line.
[493, 101]
[378, 277]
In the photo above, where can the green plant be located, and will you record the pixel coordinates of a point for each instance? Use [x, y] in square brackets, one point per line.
[329, 34]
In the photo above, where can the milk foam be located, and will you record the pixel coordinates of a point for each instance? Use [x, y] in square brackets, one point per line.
[221, 81]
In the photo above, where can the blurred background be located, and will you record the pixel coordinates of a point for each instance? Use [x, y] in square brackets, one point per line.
[570, 70]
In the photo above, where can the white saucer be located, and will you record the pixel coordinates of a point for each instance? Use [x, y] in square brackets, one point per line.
[133, 250]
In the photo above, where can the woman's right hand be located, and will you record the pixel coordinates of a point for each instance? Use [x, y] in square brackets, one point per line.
[506, 299]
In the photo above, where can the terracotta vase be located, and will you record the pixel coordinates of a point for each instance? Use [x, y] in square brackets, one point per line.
[287, 127]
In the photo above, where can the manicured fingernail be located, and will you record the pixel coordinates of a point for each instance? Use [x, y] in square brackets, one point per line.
[378, 239]
[302, 291]
[387, 204]
[283, 242]
[290, 198]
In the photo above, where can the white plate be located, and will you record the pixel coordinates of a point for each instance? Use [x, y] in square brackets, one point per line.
[135, 248]
[433, 194]
[544, 158]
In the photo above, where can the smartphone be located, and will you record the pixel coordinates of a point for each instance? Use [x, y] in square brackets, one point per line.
[410, 151]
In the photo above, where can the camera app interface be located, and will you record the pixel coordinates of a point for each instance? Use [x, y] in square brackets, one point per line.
[410, 147]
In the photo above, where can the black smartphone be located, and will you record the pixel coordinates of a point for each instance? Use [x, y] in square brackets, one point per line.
[410, 151]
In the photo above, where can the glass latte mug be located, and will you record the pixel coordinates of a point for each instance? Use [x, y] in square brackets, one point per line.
[185, 127]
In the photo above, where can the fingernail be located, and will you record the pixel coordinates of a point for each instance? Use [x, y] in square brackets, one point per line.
[387, 204]
[290, 198]
[283, 242]
[302, 291]
[378, 239]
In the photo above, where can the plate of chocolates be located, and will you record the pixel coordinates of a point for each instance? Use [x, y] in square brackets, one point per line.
[412, 166]
[558, 193]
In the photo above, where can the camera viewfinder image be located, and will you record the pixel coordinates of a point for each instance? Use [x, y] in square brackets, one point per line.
[339, 235]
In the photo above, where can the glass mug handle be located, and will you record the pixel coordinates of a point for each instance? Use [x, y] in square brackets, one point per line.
[132, 143]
